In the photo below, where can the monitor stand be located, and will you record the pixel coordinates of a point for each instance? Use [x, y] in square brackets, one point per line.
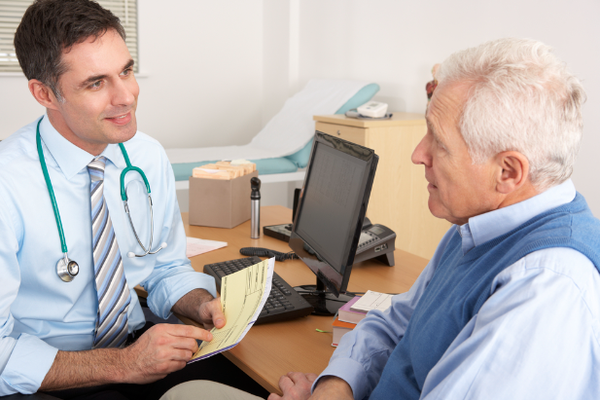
[323, 302]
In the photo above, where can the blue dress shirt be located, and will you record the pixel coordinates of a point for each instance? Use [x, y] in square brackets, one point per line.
[39, 313]
[537, 336]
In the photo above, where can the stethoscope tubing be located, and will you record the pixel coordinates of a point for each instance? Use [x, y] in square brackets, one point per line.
[61, 232]
[67, 277]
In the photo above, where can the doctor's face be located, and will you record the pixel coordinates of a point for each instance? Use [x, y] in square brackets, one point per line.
[99, 94]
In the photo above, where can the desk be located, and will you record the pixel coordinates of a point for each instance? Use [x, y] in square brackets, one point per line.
[271, 350]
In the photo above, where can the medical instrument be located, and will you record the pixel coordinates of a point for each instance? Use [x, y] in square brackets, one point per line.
[373, 109]
[125, 199]
[66, 268]
[255, 208]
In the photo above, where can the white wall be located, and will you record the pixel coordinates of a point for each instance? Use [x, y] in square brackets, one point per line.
[17, 106]
[201, 77]
[203, 61]
[395, 43]
[280, 54]
[217, 71]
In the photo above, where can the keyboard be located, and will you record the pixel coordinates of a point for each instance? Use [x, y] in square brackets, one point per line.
[283, 302]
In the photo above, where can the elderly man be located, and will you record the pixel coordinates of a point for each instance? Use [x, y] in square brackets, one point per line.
[508, 306]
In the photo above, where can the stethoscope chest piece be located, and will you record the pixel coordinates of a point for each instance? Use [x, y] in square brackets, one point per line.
[67, 269]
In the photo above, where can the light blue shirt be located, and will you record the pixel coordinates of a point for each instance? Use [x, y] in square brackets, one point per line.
[39, 313]
[536, 337]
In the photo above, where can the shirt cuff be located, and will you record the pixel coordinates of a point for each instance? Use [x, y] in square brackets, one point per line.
[28, 365]
[350, 371]
[173, 288]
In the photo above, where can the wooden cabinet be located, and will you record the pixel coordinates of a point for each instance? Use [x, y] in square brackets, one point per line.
[399, 196]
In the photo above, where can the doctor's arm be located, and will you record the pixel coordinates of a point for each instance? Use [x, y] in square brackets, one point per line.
[159, 351]
[18, 372]
[29, 364]
[162, 349]
[173, 285]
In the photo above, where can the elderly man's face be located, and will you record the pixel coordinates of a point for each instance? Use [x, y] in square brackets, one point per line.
[458, 189]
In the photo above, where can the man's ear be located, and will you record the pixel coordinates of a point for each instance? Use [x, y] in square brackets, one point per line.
[513, 171]
[43, 94]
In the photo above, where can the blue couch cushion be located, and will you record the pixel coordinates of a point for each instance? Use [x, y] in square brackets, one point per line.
[265, 166]
[291, 163]
[279, 165]
[361, 97]
[300, 158]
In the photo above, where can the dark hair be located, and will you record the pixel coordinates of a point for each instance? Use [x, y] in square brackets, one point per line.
[49, 27]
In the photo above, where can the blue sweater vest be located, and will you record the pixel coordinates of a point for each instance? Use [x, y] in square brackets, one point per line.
[462, 283]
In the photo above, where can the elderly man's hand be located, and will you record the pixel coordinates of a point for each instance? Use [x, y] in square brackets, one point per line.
[296, 386]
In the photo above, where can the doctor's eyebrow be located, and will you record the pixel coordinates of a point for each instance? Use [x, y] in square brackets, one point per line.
[129, 65]
[95, 78]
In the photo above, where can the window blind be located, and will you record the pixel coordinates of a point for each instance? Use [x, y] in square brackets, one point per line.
[11, 12]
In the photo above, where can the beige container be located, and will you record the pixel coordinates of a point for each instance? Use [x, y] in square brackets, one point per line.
[220, 203]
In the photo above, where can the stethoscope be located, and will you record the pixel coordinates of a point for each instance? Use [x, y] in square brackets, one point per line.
[66, 268]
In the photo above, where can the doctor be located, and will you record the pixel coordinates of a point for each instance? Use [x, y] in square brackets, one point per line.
[70, 336]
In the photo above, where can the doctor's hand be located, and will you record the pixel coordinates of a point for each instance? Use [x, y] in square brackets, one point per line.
[162, 349]
[200, 306]
[211, 314]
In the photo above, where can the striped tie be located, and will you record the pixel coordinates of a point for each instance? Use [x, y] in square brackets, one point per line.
[113, 292]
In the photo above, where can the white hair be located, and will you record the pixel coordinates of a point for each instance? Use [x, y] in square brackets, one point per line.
[521, 98]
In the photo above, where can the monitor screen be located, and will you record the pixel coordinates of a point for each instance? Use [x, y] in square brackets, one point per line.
[332, 207]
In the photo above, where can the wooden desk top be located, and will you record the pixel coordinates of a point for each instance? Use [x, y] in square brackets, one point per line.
[271, 350]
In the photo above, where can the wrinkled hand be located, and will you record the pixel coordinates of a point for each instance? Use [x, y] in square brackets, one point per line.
[162, 349]
[295, 386]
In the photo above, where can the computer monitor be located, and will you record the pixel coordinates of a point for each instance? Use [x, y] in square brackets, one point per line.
[329, 217]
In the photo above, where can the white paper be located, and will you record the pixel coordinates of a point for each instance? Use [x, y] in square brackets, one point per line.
[243, 296]
[373, 301]
[197, 246]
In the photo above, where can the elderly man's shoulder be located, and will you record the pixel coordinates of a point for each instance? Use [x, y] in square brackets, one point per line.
[563, 261]
[559, 272]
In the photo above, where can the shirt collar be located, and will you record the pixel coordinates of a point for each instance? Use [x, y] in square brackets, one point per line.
[485, 227]
[70, 158]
